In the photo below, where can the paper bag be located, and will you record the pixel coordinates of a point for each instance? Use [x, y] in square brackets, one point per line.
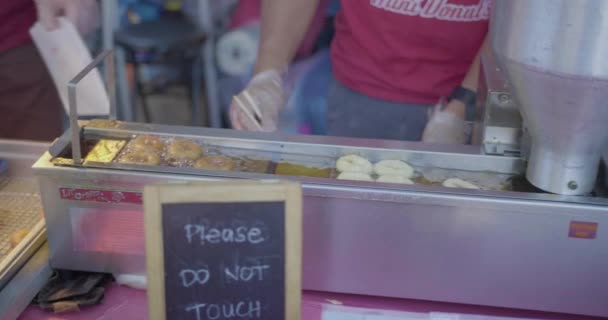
[65, 54]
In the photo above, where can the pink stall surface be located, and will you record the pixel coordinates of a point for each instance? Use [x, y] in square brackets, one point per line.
[125, 303]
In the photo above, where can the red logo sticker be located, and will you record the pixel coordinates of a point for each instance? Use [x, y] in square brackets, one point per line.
[583, 230]
[91, 195]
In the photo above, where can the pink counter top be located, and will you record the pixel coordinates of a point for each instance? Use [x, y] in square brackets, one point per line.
[131, 304]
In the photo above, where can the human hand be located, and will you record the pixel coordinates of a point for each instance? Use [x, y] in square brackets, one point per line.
[446, 125]
[84, 14]
[268, 94]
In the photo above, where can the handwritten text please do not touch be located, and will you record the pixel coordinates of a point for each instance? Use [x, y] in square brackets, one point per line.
[200, 276]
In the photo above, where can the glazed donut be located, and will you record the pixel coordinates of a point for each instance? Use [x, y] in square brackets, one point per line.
[458, 183]
[393, 168]
[144, 157]
[215, 163]
[148, 143]
[184, 150]
[354, 163]
[355, 176]
[394, 179]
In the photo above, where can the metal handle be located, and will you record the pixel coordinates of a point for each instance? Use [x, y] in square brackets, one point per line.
[108, 58]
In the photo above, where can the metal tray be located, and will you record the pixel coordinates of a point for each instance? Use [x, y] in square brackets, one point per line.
[488, 172]
[20, 208]
[20, 205]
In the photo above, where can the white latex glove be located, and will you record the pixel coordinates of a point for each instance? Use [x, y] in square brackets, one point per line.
[266, 91]
[84, 14]
[444, 127]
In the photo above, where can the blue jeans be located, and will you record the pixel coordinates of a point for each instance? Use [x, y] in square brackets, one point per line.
[352, 114]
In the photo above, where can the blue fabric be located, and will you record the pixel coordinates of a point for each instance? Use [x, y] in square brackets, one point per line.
[3, 166]
[146, 10]
[333, 8]
[311, 94]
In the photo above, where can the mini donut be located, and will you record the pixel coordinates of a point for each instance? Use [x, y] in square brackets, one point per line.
[184, 150]
[394, 179]
[458, 183]
[215, 163]
[144, 157]
[103, 124]
[354, 163]
[254, 166]
[147, 142]
[355, 176]
[393, 168]
[18, 236]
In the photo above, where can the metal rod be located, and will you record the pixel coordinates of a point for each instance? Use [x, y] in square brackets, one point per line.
[73, 103]
[74, 127]
[124, 94]
[109, 24]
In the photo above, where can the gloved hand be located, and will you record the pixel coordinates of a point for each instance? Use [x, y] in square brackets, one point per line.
[267, 92]
[445, 125]
[84, 14]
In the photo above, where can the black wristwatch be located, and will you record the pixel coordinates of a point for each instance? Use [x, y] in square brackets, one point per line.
[468, 97]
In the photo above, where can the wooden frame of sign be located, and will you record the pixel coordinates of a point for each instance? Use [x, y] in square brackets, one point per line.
[166, 204]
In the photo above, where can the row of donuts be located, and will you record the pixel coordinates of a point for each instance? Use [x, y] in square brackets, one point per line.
[151, 150]
[357, 168]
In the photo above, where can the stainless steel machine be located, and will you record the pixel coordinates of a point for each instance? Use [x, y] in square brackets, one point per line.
[553, 54]
[507, 244]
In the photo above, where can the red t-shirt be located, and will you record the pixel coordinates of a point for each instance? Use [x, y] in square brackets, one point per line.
[16, 18]
[408, 51]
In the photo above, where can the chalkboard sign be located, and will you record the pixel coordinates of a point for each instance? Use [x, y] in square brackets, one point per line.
[224, 250]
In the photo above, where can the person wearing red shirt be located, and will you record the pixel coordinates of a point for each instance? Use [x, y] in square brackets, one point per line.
[30, 107]
[393, 60]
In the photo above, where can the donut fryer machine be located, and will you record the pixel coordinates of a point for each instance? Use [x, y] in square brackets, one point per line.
[520, 248]
[500, 248]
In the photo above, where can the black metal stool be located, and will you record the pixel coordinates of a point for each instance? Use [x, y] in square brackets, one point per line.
[167, 41]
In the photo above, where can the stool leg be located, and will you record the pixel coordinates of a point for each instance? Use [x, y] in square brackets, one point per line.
[213, 104]
[195, 92]
[125, 101]
[140, 90]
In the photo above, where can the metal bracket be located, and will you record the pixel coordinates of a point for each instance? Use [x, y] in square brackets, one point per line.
[108, 58]
[502, 122]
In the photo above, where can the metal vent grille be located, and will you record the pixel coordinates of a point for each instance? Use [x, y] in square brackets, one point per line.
[20, 208]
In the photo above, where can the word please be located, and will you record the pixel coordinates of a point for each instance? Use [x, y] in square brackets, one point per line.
[205, 234]
[241, 309]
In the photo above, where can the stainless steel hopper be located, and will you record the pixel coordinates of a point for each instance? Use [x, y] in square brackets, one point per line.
[554, 55]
